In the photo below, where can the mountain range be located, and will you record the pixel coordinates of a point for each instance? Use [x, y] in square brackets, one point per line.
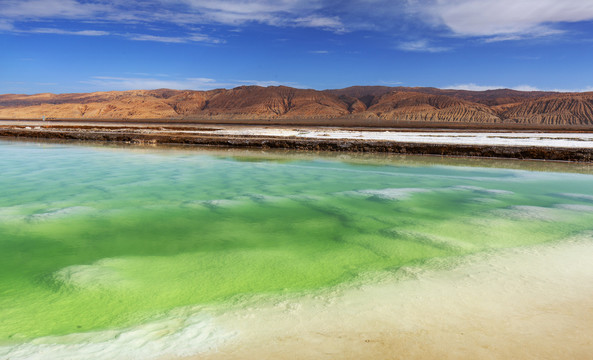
[365, 103]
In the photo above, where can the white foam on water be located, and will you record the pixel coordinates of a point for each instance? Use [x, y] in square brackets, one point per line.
[59, 213]
[387, 194]
[10, 213]
[104, 273]
[481, 190]
[486, 200]
[442, 242]
[253, 197]
[528, 212]
[261, 198]
[23, 212]
[512, 175]
[172, 337]
[213, 204]
[577, 196]
[575, 207]
[307, 198]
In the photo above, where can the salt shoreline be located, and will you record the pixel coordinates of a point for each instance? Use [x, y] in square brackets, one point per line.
[531, 302]
[522, 303]
[499, 144]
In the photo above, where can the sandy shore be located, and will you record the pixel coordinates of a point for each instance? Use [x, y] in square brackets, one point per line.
[526, 303]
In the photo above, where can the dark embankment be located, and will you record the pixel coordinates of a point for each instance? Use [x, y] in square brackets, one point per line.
[133, 136]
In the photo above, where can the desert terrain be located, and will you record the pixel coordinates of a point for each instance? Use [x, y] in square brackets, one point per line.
[358, 105]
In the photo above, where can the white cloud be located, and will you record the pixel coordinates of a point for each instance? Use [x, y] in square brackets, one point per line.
[273, 12]
[494, 20]
[6, 25]
[475, 87]
[148, 74]
[137, 37]
[295, 13]
[526, 88]
[282, 13]
[320, 52]
[500, 18]
[248, 14]
[165, 39]
[328, 23]
[391, 83]
[533, 33]
[174, 39]
[252, 7]
[124, 83]
[107, 83]
[499, 38]
[266, 83]
[68, 32]
[205, 38]
[421, 46]
[32, 9]
[585, 89]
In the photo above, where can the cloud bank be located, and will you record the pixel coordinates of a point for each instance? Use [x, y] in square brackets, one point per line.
[504, 19]
[494, 20]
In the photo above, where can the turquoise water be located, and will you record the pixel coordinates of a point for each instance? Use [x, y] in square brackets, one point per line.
[95, 238]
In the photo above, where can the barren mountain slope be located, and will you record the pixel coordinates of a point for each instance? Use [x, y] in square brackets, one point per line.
[244, 101]
[274, 101]
[413, 106]
[375, 103]
[488, 97]
[140, 108]
[571, 109]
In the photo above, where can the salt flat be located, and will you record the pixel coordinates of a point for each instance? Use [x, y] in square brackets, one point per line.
[571, 140]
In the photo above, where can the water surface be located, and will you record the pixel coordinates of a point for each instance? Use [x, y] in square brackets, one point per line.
[96, 238]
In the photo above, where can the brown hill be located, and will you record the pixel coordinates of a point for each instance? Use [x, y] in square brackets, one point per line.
[414, 106]
[279, 102]
[493, 97]
[242, 102]
[567, 109]
[487, 97]
[274, 101]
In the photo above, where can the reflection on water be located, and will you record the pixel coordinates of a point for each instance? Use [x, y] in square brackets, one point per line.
[286, 155]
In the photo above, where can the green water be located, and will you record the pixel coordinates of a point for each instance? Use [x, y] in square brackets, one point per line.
[97, 237]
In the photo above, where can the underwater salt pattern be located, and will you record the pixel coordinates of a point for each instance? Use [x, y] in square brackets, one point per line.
[96, 238]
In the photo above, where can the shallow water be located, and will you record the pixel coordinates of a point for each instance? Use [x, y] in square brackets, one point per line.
[96, 239]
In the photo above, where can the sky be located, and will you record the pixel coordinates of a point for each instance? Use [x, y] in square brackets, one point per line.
[63, 46]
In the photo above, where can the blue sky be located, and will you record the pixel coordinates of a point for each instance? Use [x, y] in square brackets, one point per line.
[97, 45]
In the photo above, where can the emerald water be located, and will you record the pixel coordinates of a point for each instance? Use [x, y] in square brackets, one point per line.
[97, 238]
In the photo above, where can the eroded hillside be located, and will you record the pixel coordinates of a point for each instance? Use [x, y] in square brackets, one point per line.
[279, 102]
